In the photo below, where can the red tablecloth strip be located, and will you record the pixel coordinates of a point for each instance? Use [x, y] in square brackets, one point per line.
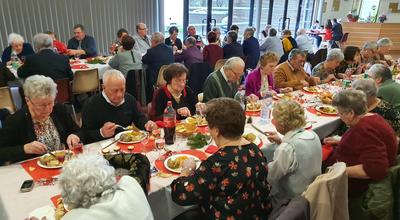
[79, 66]
[253, 113]
[37, 172]
[54, 199]
[138, 147]
[315, 112]
[159, 164]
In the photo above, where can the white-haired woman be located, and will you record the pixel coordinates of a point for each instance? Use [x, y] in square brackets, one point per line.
[18, 46]
[39, 126]
[326, 70]
[304, 42]
[90, 191]
[384, 45]
[297, 158]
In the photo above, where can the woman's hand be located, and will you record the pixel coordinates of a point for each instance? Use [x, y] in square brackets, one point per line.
[150, 126]
[184, 112]
[286, 90]
[72, 140]
[332, 140]
[35, 147]
[273, 137]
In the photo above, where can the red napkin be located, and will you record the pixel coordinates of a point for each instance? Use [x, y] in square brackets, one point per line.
[159, 164]
[79, 66]
[138, 147]
[211, 149]
[327, 149]
[37, 172]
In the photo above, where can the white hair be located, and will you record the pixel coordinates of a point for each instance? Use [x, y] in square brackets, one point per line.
[112, 74]
[368, 86]
[335, 54]
[301, 31]
[157, 37]
[15, 38]
[39, 86]
[384, 42]
[86, 179]
[371, 45]
[42, 40]
[232, 62]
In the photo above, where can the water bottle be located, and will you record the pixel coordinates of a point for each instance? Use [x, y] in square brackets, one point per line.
[169, 119]
[240, 96]
[265, 115]
[14, 60]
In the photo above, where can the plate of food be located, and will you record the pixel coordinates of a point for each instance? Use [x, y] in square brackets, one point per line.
[327, 109]
[326, 98]
[197, 120]
[312, 89]
[174, 162]
[48, 161]
[198, 140]
[285, 96]
[185, 129]
[253, 107]
[251, 136]
[131, 137]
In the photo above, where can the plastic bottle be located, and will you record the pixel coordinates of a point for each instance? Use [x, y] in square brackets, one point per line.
[265, 115]
[169, 119]
[14, 60]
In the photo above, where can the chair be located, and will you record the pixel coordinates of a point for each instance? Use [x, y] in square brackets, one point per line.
[198, 73]
[219, 64]
[327, 194]
[6, 100]
[136, 85]
[64, 94]
[160, 79]
[85, 81]
[318, 57]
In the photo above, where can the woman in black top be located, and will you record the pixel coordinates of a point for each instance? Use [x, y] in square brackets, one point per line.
[182, 97]
[173, 39]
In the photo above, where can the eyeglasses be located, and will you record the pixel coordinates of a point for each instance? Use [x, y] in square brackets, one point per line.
[42, 106]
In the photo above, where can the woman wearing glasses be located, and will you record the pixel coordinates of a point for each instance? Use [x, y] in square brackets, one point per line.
[39, 126]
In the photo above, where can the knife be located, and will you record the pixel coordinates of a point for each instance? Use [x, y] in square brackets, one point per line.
[259, 130]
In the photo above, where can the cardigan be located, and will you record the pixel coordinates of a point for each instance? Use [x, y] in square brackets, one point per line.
[216, 86]
[389, 90]
[125, 61]
[253, 82]
[18, 130]
[286, 76]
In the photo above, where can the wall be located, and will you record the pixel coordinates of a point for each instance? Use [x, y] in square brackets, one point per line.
[101, 18]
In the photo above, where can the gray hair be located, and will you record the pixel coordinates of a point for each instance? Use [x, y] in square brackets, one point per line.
[191, 41]
[232, 62]
[250, 30]
[190, 26]
[351, 100]
[381, 71]
[39, 86]
[216, 29]
[86, 179]
[112, 74]
[368, 86]
[272, 32]
[370, 45]
[335, 54]
[301, 31]
[157, 37]
[293, 53]
[15, 38]
[42, 41]
[384, 42]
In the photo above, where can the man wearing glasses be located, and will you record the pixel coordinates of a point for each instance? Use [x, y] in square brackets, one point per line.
[142, 40]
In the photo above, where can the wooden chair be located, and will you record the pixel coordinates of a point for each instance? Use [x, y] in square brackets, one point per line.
[85, 81]
[64, 95]
[6, 100]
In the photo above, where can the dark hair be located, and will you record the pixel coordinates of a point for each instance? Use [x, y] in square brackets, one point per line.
[50, 32]
[334, 20]
[234, 27]
[287, 32]
[211, 37]
[227, 116]
[173, 29]
[174, 70]
[272, 32]
[191, 41]
[79, 26]
[328, 24]
[121, 31]
[233, 36]
[127, 42]
[316, 21]
[350, 52]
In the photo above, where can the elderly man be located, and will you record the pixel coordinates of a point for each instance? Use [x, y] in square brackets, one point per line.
[251, 48]
[191, 30]
[142, 40]
[224, 82]
[81, 45]
[388, 89]
[291, 73]
[105, 112]
[159, 54]
[232, 48]
[45, 62]
[272, 43]
[191, 55]
[326, 70]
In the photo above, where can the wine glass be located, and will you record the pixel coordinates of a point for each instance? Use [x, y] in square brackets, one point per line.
[144, 144]
[160, 144]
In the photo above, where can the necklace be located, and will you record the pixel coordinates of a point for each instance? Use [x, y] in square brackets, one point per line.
[176, 95]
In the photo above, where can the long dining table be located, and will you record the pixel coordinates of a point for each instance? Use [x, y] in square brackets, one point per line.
[19, 205]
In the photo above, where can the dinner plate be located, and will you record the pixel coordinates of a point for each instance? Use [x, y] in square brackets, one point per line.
[257, 141]
[308, 89]
[179, 170]
[193, 120]
[117, 137]
[282, 96]
[48, 167]
[253, 110]
[45, 211]
[320, 109]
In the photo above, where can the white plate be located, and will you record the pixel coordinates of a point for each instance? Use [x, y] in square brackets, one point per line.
[179, 170]
[117, 136]
[45, 211]
[257, 141]
[318, 108]
[47, 167]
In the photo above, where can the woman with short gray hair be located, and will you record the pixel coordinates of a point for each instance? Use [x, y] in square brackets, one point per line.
[38, 127]
[90, 191]
[368, 52]
[326, 70]
[368, 147]
[377, 105]
[18, 47]
[384, 45]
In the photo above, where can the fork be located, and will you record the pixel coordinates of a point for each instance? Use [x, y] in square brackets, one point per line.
[130, 127]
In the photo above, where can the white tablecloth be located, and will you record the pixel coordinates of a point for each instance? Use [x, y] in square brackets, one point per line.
[100, 67]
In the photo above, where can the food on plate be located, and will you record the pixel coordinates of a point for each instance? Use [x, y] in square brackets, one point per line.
[105, 151]
[131, 147]
[50, 161]
[197, 120]
[250, 137]
[116, 148]
[326, 98]
[312, 89]
[284, 96]
[185, 129]
[60, 210]
[96, 60]
[254, 106]
[132, 136]
[327, 109]
[164, 175]
[198, 140]
[177, 162]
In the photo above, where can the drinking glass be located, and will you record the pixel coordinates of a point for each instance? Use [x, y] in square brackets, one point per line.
[160, 144]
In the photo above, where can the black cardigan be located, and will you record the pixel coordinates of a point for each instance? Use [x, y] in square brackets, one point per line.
[18, 130]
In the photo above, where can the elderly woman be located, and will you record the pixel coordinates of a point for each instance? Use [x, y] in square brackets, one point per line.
[297, 158]
[217, 31]
[260, 81]
[176, 91]
[90, 191]
[173, 39]
[39, 126]
[231, 183]
[326, 70]
[368, 52]
[389, 90]
[17, 46]
[377, 105]
[351, 65]
[368, 148]
[127, 59]
[384, 45]
[212, 52]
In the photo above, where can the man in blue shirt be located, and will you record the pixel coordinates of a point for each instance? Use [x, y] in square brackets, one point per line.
[81, 45]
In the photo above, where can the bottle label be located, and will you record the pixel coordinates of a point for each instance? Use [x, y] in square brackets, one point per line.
[169, 122]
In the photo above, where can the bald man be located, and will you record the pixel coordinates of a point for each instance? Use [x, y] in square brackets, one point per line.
[104, 112]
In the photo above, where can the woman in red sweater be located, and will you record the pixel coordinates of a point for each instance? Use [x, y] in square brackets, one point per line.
[369, 146]
[212, 52]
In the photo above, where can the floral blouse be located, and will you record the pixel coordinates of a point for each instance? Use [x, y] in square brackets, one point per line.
[230, 184]
[390, 114]
[320, 71]
[46, 133]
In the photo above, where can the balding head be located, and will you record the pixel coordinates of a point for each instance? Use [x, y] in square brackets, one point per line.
[233, 68]
[114, 86]
[156, 39]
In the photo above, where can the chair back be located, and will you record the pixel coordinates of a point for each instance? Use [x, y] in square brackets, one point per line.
[219, 64]
[85, 81]
[6, 100]
[135, 85]
[318, 57]
[64, 93]
[328, 193]
[198, 73]
[160, 79]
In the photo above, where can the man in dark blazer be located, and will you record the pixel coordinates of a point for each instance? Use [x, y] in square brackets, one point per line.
[159, 54]
[251, 49]
[232, 48]
[45, 62]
